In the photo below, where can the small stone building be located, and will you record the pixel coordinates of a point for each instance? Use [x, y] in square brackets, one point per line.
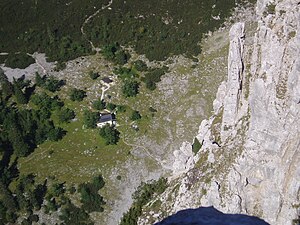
[106, 119]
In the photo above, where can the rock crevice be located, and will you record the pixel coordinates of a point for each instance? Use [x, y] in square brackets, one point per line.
[235, 71]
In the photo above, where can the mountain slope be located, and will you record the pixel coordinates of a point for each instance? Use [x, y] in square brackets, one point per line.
[250, 154]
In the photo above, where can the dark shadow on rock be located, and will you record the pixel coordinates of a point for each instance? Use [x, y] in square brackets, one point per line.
[209, 216]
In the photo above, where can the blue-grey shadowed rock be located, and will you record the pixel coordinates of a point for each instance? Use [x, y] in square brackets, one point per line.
[209, 216]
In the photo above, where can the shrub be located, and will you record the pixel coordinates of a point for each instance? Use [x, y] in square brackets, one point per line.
[20, 95]
[196, 146]
[99, 104]
[153, 77]
[121, 108]
[130, 88]
[115, 53]
[33, 218]
[90, 119]
[49, 83]
[77, 94]
[135, 115]
[72, 190]
[60, 66]
[110, 134]
[20, 60]
[39, 81]
[65, 115]
[52, 84]
[271, 8]
[93, 75]
[56, 134]
[90, 199]
[145, 192]
[121, 57]
[110, 106]
[140, 65]
[153, 111]
[98, 182]
[125, 73]
[71, 214]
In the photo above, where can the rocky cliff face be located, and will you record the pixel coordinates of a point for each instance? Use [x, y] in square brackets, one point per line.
[250, 155]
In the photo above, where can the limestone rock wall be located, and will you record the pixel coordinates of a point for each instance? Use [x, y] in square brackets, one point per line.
[250, 158]
[234, 79]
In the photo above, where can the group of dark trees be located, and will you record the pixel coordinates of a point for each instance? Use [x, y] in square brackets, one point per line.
[131, 81]
[77, 94]
[58, 198]
[111, 106]
[176, 28]
[99, 104]
[23, 129]
[129, 77]
[55, 28]
[71, 214]
[90, 118]
[65, 115]
[93, 75]
[130, 88]
[52, 27]
[154, 76]
[142, 196]
[126, 73]
[110, 134]
[140, 65]
[19, 89]
[46, 102]
[91, 200]
[27, 197]
[115, 53]
[49, 83]
[18, 60]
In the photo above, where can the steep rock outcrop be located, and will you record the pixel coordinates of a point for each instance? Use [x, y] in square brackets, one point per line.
[235, 71]
[264, 177]
[184, 159]
[250, 157]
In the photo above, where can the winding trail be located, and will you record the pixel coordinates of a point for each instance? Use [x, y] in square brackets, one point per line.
[104, 89]
[88, 19]
[159, 161]
[31, 156]
[37, 62]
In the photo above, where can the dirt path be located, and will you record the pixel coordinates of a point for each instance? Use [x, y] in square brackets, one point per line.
[38, 63]
[30, 157]
[159, 161]
[88, 19]
[104, 89]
